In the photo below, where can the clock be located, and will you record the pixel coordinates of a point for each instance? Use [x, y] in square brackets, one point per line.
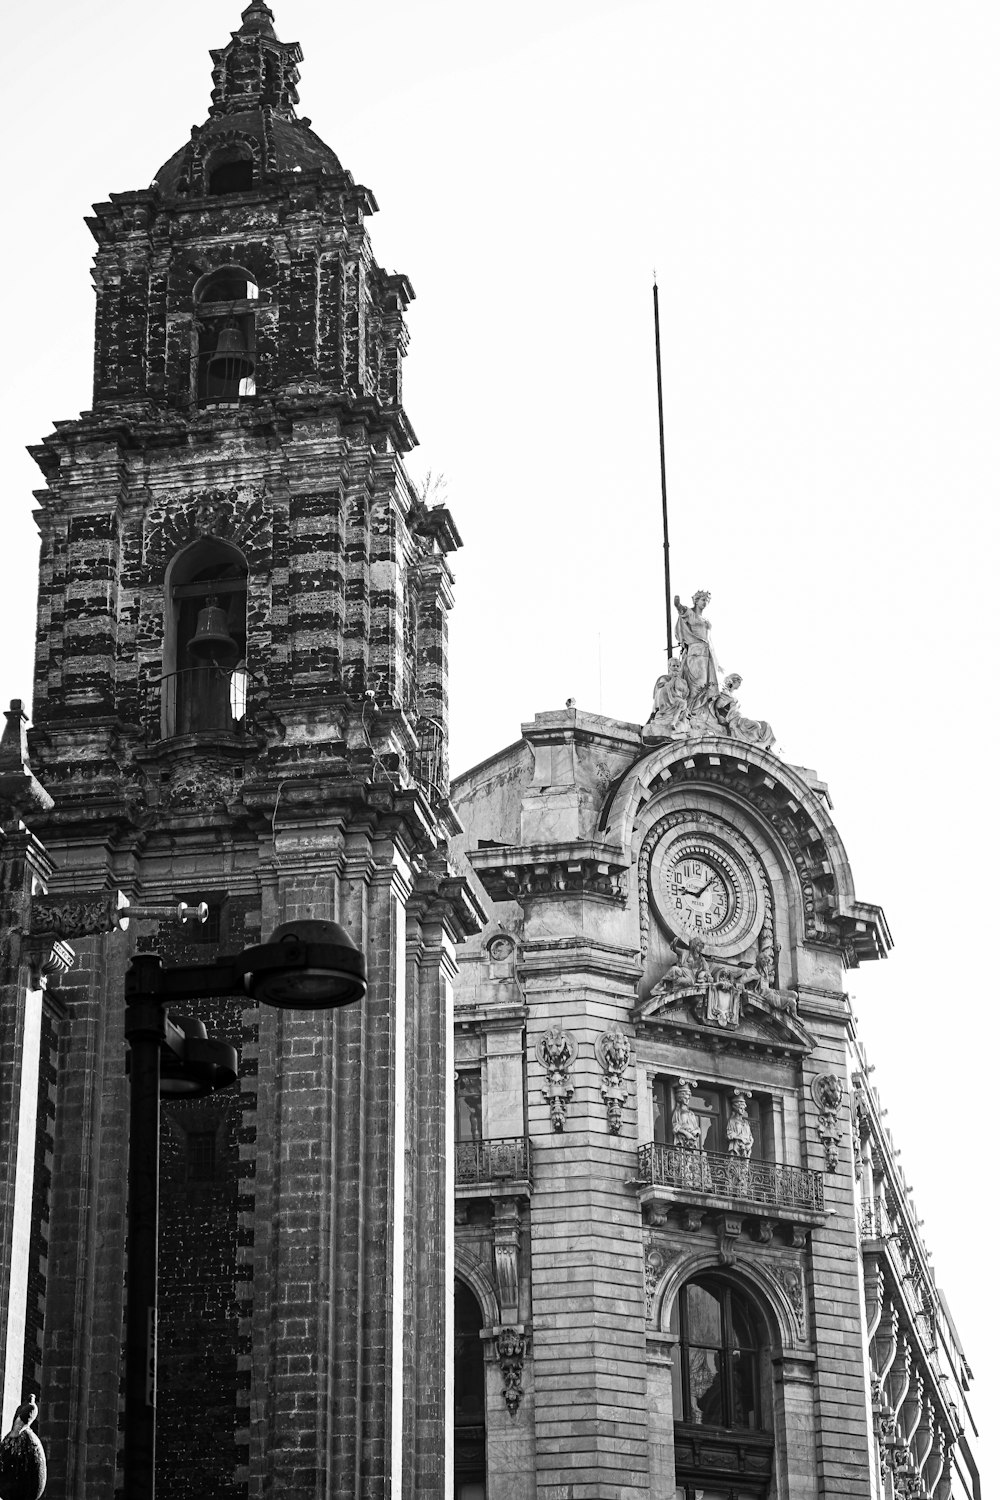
[703, 886]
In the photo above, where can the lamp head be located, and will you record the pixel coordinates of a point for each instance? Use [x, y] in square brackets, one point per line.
[307, 965]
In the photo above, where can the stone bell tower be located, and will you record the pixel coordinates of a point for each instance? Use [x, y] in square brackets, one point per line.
[241, 699]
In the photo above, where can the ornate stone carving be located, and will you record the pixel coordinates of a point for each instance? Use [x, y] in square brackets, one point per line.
[506, 1256]
[75, 916]
[683, 1120]
[556, 1052]
[687, 699]
[788, 1279]
[828, 1093]
[658, 1258]
[614, 1051]
[238, 515]
[200, 786]
[730, 1226]
[738, 1131]
[511, 1348]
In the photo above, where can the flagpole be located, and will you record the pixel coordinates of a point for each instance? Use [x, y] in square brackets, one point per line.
[663, 465]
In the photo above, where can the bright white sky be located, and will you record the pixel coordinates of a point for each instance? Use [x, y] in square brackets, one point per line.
[816, 186]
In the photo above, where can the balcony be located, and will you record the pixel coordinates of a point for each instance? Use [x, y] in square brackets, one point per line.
[887, 1235]
[699, 1181]
[496, 1168]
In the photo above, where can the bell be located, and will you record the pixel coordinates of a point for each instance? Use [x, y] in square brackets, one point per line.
[230, 363]
[211, 636]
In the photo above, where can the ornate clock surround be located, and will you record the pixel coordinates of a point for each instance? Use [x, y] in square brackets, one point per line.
[709, 847]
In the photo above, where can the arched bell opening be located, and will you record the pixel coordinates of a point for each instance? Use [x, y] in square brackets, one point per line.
[204, 683]
[230, 170]
[225, 315]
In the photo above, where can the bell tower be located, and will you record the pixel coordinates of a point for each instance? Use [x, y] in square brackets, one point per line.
[241, 699]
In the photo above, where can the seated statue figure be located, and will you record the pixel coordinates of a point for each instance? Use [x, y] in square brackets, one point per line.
[690, 971]
[751, 731]
[669, 719]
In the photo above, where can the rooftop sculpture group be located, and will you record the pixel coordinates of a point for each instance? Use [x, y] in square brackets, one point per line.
[687, 699]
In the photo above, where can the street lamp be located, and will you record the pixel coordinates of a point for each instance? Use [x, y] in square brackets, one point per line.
[307, 965]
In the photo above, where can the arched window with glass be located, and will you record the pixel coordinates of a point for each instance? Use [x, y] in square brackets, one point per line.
[225, 319]
[723, 1443]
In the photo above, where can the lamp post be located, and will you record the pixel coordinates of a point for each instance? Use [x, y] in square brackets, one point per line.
[308, 965]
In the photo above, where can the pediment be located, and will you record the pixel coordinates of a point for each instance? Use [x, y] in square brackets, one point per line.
[695, 1012]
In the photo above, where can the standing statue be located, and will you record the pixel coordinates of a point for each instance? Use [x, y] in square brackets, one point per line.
[738, 1131]
[751, 731]
[698, 658]
[684, 1124]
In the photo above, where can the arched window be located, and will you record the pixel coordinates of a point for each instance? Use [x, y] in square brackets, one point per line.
[225, 306]
[205, 641]
[470, 1398]
[229, 171]
[723, 1448]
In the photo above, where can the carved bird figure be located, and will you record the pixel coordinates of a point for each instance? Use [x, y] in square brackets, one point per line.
[22, 1457]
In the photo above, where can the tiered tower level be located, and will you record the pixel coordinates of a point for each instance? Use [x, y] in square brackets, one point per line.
[241, 698]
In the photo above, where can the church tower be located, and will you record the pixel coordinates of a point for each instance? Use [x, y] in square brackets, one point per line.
[241, 699]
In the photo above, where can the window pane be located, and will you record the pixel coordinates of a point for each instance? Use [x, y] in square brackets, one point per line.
[704, 1316]
[705, 1386]
[468, 1107]
[661, 1110]
[742, 1333]
[744, 1396]
[707, 1105]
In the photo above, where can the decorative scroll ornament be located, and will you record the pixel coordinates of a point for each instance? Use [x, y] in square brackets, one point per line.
[828, 1093]
[614, 1051]
[556, 1052]
[506, 1248]
[511, 1348]
[658, 1258]
[687, 699]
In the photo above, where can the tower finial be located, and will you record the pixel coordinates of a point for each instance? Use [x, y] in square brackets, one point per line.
[258, 20]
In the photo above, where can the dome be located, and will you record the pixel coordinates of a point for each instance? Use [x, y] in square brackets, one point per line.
[274, 145]
[252, 134]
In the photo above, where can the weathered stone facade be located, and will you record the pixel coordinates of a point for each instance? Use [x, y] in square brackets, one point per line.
[669, 1098]
[241, 474]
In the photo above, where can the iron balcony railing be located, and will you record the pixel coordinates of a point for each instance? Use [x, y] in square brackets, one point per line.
[198, 700]
[505, 1160]
[769, 1183]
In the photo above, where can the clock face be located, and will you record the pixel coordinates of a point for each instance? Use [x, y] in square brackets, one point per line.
[703, 887]
[697, 896]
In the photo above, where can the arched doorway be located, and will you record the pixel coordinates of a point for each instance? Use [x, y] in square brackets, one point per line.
[470, 1398]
